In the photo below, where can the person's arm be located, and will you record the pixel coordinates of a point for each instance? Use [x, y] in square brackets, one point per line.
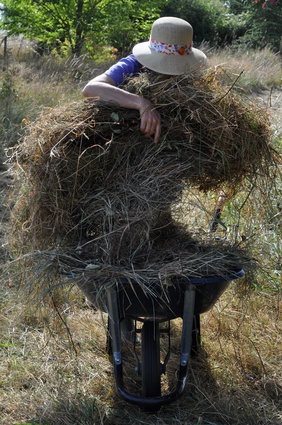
[103, 87]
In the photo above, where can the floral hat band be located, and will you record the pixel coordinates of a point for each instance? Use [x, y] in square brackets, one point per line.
[170, 49]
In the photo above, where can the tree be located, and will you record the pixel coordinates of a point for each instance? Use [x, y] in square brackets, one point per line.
[76, 24]
[264, 19]
[124, 22]
[54, 23]
[211, 19]
[237, 7]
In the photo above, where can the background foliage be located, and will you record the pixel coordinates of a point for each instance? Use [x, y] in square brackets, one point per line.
[78, 25]
[90, 26]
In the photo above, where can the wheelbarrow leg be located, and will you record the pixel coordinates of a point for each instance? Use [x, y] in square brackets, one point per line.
[115, 335]
[186, 336]
[196, 335]
[188, 318]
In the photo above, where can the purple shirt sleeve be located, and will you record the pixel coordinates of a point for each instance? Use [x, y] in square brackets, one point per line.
[124, 68]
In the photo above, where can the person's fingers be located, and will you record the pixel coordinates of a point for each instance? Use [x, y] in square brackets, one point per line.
[151, 124]
[143, 124]
[157, 133]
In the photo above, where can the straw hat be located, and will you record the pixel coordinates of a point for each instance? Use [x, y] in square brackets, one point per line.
[169, 50]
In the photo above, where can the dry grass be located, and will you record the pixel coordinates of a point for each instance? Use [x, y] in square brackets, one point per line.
[51, 374]
[94, 193]
[235, 380]
[261, 69]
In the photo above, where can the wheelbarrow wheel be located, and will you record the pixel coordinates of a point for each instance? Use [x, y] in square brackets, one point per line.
[150, 355]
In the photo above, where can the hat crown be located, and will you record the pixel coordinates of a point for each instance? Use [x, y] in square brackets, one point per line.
[172, 31]
[170, 50]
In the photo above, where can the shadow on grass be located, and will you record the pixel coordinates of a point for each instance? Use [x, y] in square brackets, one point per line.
[204, 401]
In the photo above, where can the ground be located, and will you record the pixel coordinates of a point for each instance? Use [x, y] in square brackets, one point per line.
[5, 187]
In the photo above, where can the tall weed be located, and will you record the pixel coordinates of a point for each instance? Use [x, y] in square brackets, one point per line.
[33, 82]
[258, 69]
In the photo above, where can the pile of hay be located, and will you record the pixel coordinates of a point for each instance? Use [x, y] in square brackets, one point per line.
[95, 194]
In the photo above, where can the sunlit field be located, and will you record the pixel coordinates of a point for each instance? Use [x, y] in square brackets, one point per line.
[54, 368]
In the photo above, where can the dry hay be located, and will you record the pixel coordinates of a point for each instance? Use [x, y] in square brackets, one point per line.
[95, 194]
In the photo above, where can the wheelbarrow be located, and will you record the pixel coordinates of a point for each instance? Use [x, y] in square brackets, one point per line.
[157, 304]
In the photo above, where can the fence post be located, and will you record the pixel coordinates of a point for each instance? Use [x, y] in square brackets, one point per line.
[5, 59]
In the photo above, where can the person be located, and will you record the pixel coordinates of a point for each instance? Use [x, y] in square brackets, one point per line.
[169, 51]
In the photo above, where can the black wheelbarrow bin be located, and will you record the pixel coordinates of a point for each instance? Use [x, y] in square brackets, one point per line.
[153, 304]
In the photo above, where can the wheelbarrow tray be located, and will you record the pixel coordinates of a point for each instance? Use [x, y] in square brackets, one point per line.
[162, 301]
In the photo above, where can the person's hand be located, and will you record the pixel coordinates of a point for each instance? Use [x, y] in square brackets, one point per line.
[150, 120]
[103, 87]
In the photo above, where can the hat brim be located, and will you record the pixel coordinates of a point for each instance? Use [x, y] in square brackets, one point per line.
[169, 64]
